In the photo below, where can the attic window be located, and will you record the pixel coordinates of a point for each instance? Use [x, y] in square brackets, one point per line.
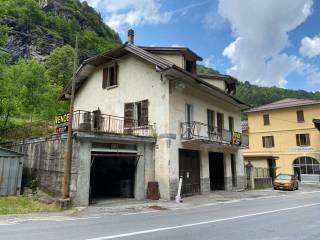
[191, 66]
[110, 76]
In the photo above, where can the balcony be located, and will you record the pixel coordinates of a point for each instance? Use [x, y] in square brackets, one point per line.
[97, 122]
[197, 131]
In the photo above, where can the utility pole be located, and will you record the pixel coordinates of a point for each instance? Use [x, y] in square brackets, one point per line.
[68, 150]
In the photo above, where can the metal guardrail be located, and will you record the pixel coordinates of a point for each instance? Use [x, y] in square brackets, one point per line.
[97, 122]
[200, 131]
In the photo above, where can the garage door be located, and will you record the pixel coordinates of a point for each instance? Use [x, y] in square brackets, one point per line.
[189, 170]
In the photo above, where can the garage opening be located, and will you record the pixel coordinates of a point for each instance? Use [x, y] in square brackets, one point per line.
[216, 168]
[112, 175]
[189, 170]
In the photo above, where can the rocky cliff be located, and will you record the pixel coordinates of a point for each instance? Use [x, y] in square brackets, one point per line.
[39, 26]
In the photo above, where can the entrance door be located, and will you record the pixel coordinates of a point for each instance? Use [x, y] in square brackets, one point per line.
[272, 168]
[189, 170]
[216, 168]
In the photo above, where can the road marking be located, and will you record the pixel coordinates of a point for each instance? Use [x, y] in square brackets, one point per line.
[199, 223]
[135, 213]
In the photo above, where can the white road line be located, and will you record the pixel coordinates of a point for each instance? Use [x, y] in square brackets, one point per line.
[198, 223]
[135, 213]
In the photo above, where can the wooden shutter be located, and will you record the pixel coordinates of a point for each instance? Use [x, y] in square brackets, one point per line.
[128, 115]
[272, 141]
[300, 116]
[266, 120]
[298, 139]
[105, 73]
[264, 142]
[144, 112]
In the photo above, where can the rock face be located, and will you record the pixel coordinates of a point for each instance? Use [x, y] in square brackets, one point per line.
[37, 44]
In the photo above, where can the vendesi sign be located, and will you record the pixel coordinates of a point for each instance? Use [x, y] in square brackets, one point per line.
[62, 123]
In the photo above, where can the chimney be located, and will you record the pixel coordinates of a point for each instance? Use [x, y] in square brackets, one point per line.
[131, 36]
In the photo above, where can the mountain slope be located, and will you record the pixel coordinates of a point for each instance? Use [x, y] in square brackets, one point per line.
[38, 27]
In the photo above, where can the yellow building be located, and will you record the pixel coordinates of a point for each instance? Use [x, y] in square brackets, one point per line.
[284, 137]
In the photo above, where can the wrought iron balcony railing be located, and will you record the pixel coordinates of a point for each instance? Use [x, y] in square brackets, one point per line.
[203, 132]
[97, 122]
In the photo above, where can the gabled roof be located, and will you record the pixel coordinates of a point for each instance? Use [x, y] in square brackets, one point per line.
[284, 103]
[163, 65]
[183, 50]
[227, 78]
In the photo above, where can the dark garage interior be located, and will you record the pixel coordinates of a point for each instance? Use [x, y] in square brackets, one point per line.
[216, 168]
[112, 176]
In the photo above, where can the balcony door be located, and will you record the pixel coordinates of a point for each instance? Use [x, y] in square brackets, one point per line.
[220, 122]
[189, 119]
[210, 122]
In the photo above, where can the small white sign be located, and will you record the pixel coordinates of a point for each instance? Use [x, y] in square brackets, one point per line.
[302, 149]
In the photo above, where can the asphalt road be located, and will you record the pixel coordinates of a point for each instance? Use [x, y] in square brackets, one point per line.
[294, 216]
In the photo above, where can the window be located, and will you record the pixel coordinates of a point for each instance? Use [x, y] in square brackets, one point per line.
[306, 165]
[300, 116]
[231, 124]
[191, 66]
[136, 114]
[211, 119]
[268, 141]
[266, 120]
[110, 76]
[189, 113]
[303, 139]
[220, 121]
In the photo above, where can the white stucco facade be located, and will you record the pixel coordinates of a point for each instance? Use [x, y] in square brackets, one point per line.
[139, 80]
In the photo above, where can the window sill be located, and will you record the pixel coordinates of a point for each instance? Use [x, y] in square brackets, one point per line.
[111, 87]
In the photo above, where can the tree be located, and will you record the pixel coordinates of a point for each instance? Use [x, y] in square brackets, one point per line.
[9, 95]
[59, 65]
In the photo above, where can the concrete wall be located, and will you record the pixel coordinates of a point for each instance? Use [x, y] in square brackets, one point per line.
[218, 83]
[44, 159]
[177, 59]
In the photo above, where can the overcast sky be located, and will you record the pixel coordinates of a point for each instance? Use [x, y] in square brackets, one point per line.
[268, 42]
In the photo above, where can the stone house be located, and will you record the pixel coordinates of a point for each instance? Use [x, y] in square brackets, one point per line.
[143, 114]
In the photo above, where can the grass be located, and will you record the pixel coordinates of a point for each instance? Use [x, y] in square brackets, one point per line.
[23, 205]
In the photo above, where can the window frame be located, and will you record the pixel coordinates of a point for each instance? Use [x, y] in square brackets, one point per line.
[107, 72]
[300, 116]
[267, 144]
[307, 139]
[266, 119]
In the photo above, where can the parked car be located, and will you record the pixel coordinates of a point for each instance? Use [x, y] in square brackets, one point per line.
[286, 182]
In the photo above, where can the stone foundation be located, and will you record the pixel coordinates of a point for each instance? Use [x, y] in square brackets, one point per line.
[174, 183]
[205, 185]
